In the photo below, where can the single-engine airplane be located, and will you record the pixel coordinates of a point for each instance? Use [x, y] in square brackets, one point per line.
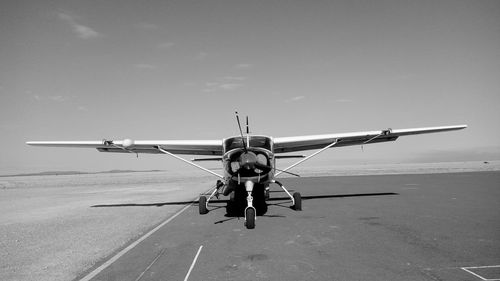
[248, 161]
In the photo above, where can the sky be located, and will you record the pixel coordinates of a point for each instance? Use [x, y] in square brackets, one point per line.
[89, 70]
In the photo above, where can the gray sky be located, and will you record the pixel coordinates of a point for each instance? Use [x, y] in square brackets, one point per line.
[88, 70]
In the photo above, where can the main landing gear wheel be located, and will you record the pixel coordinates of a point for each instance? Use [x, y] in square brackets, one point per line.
[250, 218]
[298, 201]
[202, 205]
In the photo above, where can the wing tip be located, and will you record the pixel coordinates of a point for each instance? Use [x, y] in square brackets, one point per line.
[460, 127]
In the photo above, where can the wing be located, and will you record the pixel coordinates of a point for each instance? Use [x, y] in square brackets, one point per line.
[300, 143]
[192, 147]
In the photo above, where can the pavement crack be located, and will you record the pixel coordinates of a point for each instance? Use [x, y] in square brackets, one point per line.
[150, 265]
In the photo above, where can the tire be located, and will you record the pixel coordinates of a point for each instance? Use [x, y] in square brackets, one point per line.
[250, 218]
[202, 205]
[298, 202]
[266, 194]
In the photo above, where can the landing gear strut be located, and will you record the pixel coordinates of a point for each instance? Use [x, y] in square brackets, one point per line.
[203, 202]
[262, 194]
[296, 197]
[250, 209]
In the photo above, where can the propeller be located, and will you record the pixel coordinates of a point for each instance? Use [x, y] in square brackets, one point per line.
[249, 161]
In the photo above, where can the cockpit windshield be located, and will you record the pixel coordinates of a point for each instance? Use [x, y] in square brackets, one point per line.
[255, 141]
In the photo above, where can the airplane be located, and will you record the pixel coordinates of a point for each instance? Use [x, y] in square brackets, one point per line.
[248, 160]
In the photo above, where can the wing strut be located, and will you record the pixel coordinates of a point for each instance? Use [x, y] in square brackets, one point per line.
[308, 157]
[189, 162]
[384, 133]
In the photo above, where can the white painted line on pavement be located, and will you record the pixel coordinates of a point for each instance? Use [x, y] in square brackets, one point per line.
[480, 267]
[131, 246]
[477, 275]
[193, 263]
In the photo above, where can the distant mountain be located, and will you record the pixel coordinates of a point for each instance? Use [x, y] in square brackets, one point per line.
[65, 173]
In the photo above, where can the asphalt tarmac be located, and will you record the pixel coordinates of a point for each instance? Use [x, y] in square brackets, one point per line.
[384, 227]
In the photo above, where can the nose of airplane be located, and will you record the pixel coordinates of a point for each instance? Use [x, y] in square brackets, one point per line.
[248, 160]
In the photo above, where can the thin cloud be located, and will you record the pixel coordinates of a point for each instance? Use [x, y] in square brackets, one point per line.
[81, 30]
[54, 98]
[145, 66]
[217, 86]
[295, 99]
[234, 78]
[201, 56]
[226, 83]
[85, 32]
[146, 26]
[230, 86]
[58, 98]
[243, 66]
[344, 100]
[165, 45]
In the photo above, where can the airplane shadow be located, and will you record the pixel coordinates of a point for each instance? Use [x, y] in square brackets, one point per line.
[312, 197]
[238, 217]
[307, 197]
[236, 213]
[148, 204]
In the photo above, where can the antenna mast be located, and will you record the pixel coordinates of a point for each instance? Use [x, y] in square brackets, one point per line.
[241, 131]
[248, 128]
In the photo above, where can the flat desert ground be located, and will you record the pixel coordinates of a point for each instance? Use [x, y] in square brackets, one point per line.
[50, 231]
[52, 227]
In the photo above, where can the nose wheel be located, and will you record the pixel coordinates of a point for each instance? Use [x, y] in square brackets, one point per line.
[250, 218]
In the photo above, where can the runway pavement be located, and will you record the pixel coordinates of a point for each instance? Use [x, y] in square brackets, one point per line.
[385, 227]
